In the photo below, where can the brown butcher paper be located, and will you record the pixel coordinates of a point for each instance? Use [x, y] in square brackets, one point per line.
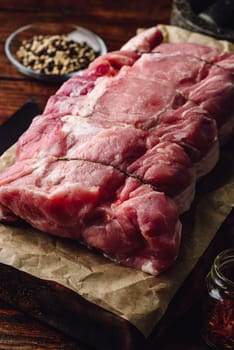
[133, 295]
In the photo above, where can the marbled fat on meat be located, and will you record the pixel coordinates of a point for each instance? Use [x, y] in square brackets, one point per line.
[113, 160]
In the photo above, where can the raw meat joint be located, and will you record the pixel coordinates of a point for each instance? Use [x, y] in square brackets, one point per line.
[114, 159]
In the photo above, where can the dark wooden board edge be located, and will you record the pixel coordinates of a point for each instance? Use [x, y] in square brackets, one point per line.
[67, 311]
[13, 128]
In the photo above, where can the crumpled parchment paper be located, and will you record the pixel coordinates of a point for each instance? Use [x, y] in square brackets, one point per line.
[133, 295]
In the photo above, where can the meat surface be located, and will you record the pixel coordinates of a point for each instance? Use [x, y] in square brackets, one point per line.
[95, 204]
[114, 159]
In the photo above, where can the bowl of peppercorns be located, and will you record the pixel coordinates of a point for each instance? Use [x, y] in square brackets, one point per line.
[53, 51]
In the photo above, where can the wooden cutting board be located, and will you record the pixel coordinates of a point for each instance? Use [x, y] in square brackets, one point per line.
[68, 312]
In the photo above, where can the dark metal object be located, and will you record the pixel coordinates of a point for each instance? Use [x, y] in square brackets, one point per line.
[11, 130]
[188, 14]
[220, 13]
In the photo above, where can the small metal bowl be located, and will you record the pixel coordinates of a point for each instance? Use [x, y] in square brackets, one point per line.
[188, 15]
[74, 32]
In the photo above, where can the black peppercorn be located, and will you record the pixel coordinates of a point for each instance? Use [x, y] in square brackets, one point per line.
[55, 54]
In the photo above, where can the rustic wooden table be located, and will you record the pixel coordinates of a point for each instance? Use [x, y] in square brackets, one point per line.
[115, 22]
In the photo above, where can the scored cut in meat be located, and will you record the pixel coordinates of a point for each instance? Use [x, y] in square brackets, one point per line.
[97, 205]
[113, 160]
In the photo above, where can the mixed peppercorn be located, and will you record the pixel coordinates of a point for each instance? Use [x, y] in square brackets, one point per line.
[55, 54]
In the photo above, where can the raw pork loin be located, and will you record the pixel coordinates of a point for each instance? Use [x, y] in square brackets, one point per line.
[114, 159]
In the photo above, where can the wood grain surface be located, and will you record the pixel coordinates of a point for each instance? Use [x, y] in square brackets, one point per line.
[115, 22]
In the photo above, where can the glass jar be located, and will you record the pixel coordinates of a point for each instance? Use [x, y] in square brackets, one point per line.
[218, 320]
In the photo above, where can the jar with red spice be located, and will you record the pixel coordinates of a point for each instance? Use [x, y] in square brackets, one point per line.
[218, 321]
